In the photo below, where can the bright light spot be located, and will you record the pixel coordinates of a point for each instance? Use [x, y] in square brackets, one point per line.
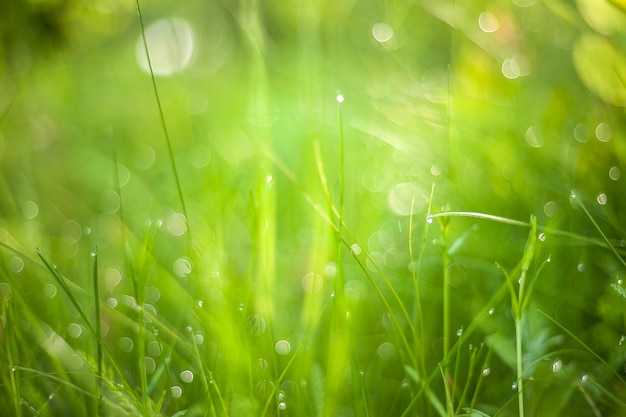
[330, 270]
[170, 45]
[580, 133]
[144, 157]
[534, 137]
[356, 249]
[30, 209]
[386, 351]
[200, 156]
[601, 199]
[340, 98]
[488, 22]
[584, 378]
[255, 325]
[177, 391]
[16, 264]
[524, 3]
[153, 348]
[615, 173]
[49, 290]
[123, 174]
[186, 376]
[382, 32]
[282, 405]
[176, 224]
[282, 347]
[312, 283]
[126, 344]
[401, 197]
[486, 371]
[492, 311]
[517, 66]
[5, 291]
[550, 208]
[603, 132]
[74, 330]
[150, 364]
[557, 365]
[183, 267]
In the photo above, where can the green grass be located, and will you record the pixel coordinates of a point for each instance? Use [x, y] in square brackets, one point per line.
[359, 201]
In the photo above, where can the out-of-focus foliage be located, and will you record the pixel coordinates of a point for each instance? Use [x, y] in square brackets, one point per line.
[237, 302]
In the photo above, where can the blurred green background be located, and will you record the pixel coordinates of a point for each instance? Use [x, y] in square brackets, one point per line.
[508, 108]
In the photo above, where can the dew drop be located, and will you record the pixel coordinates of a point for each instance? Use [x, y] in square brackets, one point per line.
[356, 249]
[282, 405]
[549, 259]
[514, 386]
[429, 219]
[241, 306]
[492, 311]
[486, 371]
[583, 378]
[557, 365]
[186, 376]
[199, 339]
[601, 199]
[94, 252]
[255, 325]
[459, 332]
[580, 267]
[621, 340]
[615, 173]
[5, 291]
[542, 237]
[200, 303]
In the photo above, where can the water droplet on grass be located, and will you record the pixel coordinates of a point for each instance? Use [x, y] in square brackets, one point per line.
[200, 303]
[621, 340]
[16, 264]
[601, 199]
[153, 348]
[491, 311]
[580, 267]
[542, 237]
[356, 249]
[429, 219]
[177, 391]
[186, 376]
[282, 406]
[615, 173]
[340, 98]
[459, 332]
[486, 372]
[557, 365]
[583, 378]
[514, 386]
[198, 339]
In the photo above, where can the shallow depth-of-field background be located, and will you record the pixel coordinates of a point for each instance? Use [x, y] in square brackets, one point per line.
[349, 208]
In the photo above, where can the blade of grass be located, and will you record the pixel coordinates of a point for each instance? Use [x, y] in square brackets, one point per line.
[168, 141]
[99, 342]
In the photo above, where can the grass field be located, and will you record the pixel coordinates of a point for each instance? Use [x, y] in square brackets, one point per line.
[354, 208]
